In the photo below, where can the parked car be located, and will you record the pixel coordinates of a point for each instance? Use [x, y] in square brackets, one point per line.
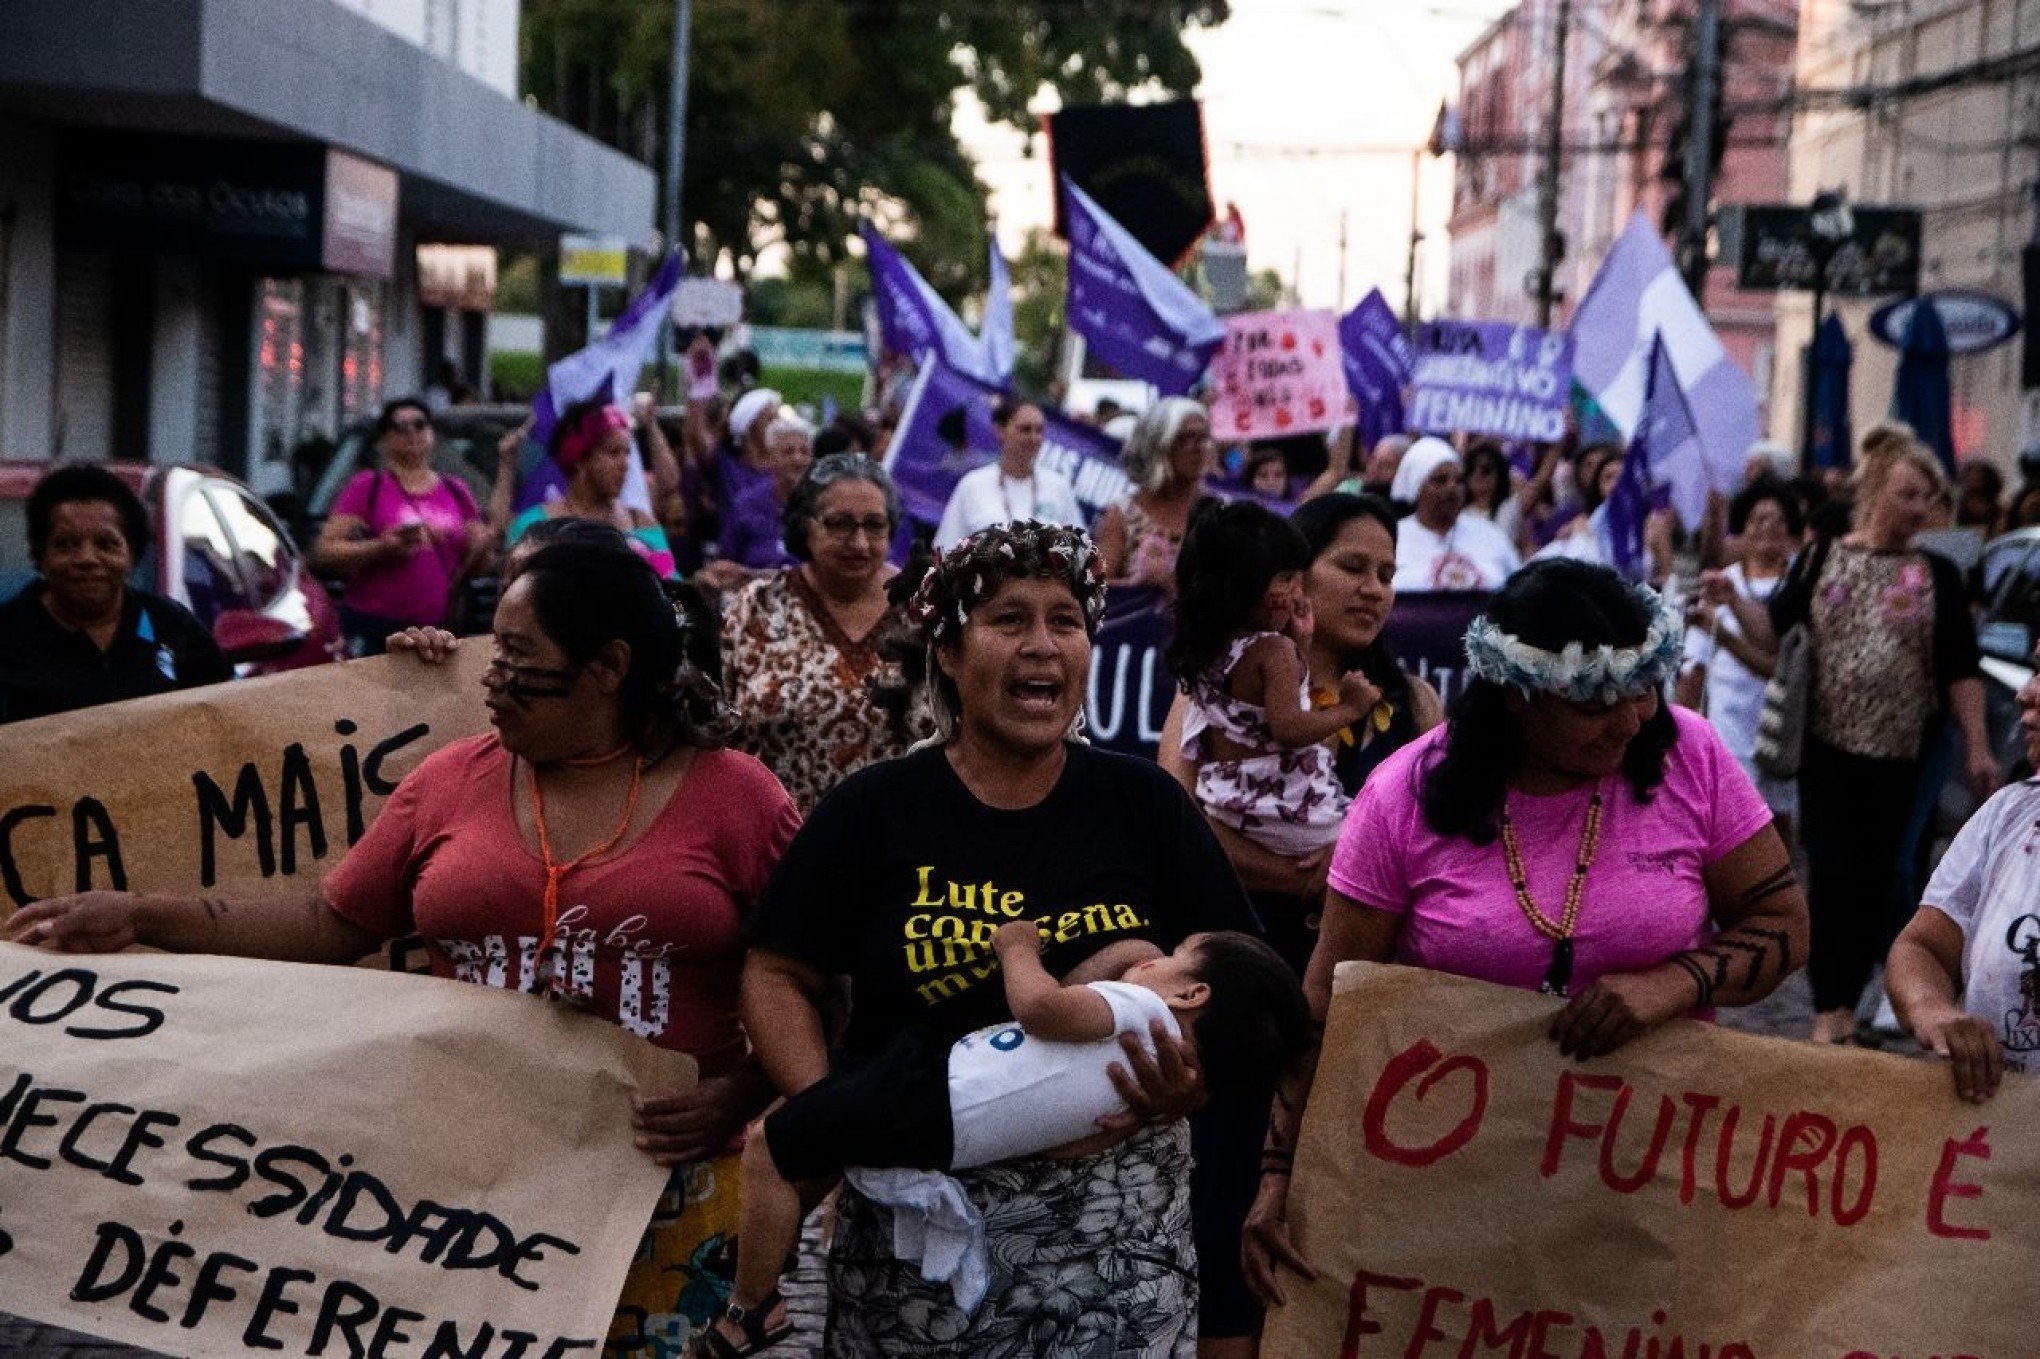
[214, 548]
[2006, 629]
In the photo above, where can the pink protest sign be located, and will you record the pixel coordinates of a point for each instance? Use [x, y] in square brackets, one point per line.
[1279, 373]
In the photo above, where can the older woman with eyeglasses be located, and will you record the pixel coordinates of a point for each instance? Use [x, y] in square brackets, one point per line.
[1167, 457]
[801, 644]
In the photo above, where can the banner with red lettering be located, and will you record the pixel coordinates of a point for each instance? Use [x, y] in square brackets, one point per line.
[1280, 373]
[1463, 1190]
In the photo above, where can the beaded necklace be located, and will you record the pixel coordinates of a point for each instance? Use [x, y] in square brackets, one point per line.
[1558, 977]
[555, 870]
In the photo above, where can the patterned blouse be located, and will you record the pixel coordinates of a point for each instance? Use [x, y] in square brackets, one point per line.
[1873, 632]
[798, 683]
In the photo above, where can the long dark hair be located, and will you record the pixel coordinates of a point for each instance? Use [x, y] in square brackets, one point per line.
[1548, 604]
[1230, 554]
[1320, 520]
[588, 594]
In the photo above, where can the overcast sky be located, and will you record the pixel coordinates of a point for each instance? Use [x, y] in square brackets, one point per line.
[1309, 108]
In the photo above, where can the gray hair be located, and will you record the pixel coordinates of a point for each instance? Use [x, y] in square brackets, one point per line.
[1145, 459]
[804, 502]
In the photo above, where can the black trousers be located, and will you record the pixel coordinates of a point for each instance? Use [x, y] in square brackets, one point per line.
[1853, 812]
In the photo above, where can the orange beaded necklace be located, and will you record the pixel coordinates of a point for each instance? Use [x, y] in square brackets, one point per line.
[555, 870]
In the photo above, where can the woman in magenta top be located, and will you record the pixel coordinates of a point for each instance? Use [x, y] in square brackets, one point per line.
[1566, 831]
[401, 535]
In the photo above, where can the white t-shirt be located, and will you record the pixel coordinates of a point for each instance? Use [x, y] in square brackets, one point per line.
[1735, 693]
[1989, 884]
[1013, 1095]
[988, 496]
[1472, 555]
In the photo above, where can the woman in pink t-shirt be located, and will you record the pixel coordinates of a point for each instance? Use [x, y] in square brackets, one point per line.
[1565, 831]
[599, 848]
[401, 535]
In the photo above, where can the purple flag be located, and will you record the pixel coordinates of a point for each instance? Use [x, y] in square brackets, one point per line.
[1378, 360]
[912, 317]
[1664, 434]
[1136, 314]
[946, 430]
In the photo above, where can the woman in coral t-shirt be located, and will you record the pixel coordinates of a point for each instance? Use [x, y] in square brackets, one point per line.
[1565, 831]
[599, 848]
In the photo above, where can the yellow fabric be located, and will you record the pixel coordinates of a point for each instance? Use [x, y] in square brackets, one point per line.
[681, 1276]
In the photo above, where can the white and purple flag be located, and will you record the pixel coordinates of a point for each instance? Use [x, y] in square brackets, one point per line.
[1378, 360]
[1132, 309]
[912, 317]
[609, 367]
[1664, 436]
[1637, 298]
[995, 335]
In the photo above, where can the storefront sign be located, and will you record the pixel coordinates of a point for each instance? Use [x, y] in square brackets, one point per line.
[462, 277]
[1974, 321]
[1774, 250]
[1490, 377]
[594, 261]
[273, 206]
[1463, 1189]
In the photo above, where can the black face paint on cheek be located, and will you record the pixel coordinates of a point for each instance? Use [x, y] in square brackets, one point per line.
[526, 684]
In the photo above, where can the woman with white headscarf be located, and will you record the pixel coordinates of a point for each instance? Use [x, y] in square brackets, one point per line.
[745, 461]
[1440, 546]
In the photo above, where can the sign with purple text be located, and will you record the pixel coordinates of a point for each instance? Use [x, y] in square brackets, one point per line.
[1279, 373]
[1490, 377]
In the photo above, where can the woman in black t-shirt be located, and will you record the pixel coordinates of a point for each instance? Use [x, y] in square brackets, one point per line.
[898, 881]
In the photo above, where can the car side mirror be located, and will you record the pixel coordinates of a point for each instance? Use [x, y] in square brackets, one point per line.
[247, 637]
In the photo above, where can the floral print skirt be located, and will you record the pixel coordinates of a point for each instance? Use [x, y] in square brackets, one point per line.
[1092, 1258]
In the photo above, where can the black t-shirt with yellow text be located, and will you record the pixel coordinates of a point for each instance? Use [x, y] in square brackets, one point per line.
[900, 878]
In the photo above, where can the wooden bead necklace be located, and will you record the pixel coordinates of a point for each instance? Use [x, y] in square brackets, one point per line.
[1558, 978]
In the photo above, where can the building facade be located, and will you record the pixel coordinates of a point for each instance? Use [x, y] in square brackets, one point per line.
[1933, 105]
[210, 230]
[1628, 70]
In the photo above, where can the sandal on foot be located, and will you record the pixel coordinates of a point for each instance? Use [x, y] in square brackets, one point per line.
[751, 1324]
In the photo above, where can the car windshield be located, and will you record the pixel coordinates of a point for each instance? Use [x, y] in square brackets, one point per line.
[2011, 578]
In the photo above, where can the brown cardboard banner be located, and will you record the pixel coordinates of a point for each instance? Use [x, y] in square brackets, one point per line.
[1463, 1190]
[210, 1156]
[250, 790]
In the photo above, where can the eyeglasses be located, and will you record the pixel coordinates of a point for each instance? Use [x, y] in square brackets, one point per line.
[844, 527]
[412, 426]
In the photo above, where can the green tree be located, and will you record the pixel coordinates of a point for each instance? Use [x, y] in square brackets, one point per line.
[1041, 284]
[805, 115]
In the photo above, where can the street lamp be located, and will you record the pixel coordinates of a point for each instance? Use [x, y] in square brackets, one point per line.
[1830, 223]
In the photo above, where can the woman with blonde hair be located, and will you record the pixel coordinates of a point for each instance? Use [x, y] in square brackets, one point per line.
[1895, 652]
[1166, 457]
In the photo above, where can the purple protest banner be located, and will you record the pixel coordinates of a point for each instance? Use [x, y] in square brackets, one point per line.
[1131, 686]
[1490, 377]
[1378, 362]
[1132, 309]
[946, 430]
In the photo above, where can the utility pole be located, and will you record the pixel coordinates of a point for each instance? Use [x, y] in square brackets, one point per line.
[676, 157]
[1416, 239]
[1342, 260]
[1700, 144]
[1547, 180]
